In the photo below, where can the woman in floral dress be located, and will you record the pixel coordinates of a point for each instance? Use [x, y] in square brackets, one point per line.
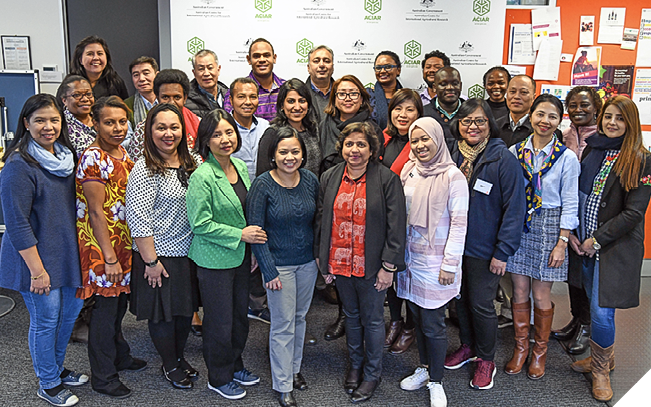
[105, 245]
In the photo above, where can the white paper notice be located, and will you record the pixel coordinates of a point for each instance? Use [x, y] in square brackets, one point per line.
[548, 60]
[644, 43]
[16, 52]
[629, 39]
[545, 22]
[521, 45]
[516, 70]
[611, 25]
[642, 94]
[586, 32]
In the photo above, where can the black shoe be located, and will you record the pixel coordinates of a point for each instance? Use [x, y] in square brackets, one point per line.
[117, 392]
[503, 322]
[336, 330]
[192, 373]
[287, 399]
[197, 330]
[329, 294]
[500, 296]
[136, 365]
[566, 332]
[299, 382]
[581, 341]
[352, 380]
[310, 340]
[364, 391]
[178, 378]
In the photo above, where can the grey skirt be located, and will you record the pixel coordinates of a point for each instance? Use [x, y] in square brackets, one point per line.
[535, 247]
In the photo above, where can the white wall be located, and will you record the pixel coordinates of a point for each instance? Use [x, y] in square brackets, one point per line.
[43, 21]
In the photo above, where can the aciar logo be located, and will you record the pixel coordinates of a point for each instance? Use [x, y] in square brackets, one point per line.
[373, 7]
[412, 51]
[303, 48]
[195, 45]
[263, 6]
[481, 8]
[476, 91]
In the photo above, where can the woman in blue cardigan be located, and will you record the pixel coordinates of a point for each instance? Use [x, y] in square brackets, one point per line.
[39, 255]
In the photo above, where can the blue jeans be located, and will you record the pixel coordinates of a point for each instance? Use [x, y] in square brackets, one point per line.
[51, 318]
[602, 319]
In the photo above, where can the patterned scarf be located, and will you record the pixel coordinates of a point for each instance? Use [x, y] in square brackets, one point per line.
[470, 154]
[139, 109]
[534, 187]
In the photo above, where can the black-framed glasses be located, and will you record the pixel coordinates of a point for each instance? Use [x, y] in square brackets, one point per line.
[352, 95]
[378, 68]
[480, 121]
[79, 96]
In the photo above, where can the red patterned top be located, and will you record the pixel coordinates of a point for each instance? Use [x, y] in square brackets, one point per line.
[347, 240]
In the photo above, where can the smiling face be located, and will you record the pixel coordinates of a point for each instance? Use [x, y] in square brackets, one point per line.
[347, 106]
[432, 66]
[223, 141]
[422, 145]
[474, 133]
[44, 125]
[79, 99]
[520, 95]
[496, 85]
[295, 107]
[93, 59]
[244, 100]
[403, 115]
[142, 76]
[386, 76]
[262, 59]
[206, 71]
[172, 93]
[166, 132]
[111, 126]
[321, 65]
[356, 151]
[581, 109]
[613, 123]
[448, 86]
[288, 156]
[545, 119]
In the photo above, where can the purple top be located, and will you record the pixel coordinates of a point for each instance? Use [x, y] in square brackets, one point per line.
[266, 99]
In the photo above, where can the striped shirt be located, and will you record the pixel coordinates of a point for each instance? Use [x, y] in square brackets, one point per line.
[266, 99]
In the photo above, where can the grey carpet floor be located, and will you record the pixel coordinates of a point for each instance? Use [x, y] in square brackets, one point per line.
[323, 367]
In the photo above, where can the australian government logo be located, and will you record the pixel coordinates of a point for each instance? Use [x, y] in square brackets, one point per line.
[358, 56]
[263, 6]
[412, 50]
[427, 3]
[303, 48]
[359, 45]
[466, 47]
[476, 91]
[373, 7]
[481, 8]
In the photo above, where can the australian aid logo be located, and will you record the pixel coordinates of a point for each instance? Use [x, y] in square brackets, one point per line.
[412, 50]
[481, 8]
[303, 48]
[263, 6]
[373, 7]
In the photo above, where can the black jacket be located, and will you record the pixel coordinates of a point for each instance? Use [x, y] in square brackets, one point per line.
[430, 110]
[511, 137]
[198, 103]
[386, 218]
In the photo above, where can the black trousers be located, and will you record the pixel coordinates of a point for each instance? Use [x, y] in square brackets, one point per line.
[475, 308]
[108, 352]
[395, 308]
[431, 338]
[225, 295]
[579, 304]
[257, 293]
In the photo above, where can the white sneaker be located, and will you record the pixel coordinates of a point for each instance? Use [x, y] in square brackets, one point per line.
[437, 395]
[418, 379]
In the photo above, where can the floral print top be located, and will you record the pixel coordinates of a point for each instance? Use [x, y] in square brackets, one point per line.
[95, 165]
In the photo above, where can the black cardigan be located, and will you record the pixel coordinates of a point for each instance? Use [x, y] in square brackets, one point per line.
[386, 218]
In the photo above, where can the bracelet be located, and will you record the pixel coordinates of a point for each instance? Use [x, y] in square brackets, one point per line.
[390, 270]
[39, 276]
[563, 238]
[111, 264]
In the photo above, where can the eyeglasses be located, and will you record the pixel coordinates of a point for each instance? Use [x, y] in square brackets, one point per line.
[352, 95]
[79, 96]
[480, 121]
[378, 68]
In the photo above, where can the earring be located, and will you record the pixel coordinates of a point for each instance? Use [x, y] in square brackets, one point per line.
[273, 159]
[302, 159]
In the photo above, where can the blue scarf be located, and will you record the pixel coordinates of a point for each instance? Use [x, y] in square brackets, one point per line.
[60, 164]
[381, 108]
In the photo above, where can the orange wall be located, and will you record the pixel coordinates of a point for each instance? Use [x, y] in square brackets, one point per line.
[571, 12]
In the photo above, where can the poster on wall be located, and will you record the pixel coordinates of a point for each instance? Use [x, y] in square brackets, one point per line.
[644, 42]
[611, 25]
[586, 31]
[642, 94]
[585, 69]
[616, 80]
[356, 30]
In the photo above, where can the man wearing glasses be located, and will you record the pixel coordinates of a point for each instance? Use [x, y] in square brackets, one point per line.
[446, 104]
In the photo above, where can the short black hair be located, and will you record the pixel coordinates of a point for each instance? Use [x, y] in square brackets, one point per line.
[546, 97]
[436, 54]
[283, 133]
[172, 76]
[532, 80]
[143, 60]
[367, 130]
[257, 40]
[207, 127]
[466, 110]
[391, 54]
[243, 80]
[498, 69]
[596, 99]
[66, 86]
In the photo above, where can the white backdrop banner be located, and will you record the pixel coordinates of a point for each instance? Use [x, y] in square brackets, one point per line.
[470, 32]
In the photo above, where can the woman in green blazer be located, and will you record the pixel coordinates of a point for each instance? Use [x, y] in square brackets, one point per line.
[216, 200]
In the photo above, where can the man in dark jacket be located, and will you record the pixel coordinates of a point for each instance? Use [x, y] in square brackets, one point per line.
[320, 66]
[516, 126]
[206, 92]
[443, 108]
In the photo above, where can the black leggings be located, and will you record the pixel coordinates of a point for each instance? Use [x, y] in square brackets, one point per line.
[395, 308]
[169, 338]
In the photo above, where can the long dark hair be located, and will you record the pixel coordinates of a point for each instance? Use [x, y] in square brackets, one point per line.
[207, 127]
[108, 73]
[23, 137]
[401, 96]
[153, 159]
[310, 120]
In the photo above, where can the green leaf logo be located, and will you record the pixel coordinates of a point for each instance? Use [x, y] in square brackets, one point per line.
[476, 91]
[412, 49]
[195, 45]
[303, 47]
[481, 7]
[263, 5]
[373, 6]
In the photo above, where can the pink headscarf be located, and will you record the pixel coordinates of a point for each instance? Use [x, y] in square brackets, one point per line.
[432, 191]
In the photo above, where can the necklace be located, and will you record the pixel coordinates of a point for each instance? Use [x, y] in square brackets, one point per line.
[295, 180]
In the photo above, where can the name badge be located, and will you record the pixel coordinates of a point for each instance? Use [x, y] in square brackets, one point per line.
[483, 186]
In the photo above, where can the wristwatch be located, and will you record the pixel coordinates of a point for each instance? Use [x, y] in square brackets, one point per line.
[152, 264]
[595, 244]
[563, 238]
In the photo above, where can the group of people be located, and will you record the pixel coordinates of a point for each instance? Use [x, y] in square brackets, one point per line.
[192, 194]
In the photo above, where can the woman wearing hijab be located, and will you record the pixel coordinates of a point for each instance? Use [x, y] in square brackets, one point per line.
[437, 195]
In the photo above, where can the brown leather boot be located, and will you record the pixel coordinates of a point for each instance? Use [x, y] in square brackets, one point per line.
[521, 318]
[601, 357]
[392, 333]
[542, 321]
[404, 341]
[585, 365]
